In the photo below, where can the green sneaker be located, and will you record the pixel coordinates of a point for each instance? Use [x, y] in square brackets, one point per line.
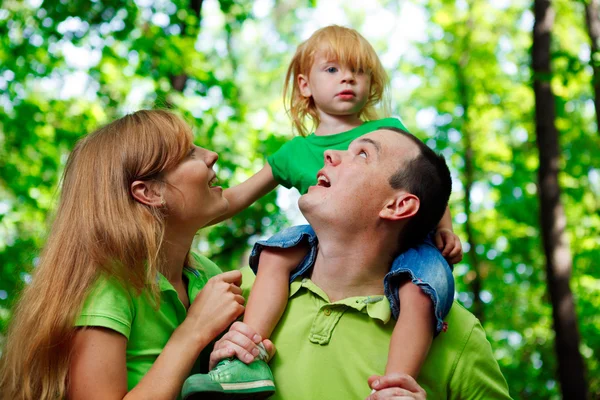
[231, 379]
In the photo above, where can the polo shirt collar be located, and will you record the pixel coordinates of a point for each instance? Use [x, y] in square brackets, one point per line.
[377, 307]
[194, 284]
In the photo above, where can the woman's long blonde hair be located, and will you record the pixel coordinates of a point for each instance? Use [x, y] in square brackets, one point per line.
[349, 48]
[98, 228]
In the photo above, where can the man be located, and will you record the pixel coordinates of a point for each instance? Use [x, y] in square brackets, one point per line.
[336, 328]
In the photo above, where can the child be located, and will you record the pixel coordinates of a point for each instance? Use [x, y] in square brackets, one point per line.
[336, 79]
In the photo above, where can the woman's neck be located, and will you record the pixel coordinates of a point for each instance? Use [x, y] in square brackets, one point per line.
[175, 256]
[175, 248]
[334, 124]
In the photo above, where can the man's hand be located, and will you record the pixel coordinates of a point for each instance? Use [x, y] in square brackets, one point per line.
[395, 386]
[240, 341]
[449, 244]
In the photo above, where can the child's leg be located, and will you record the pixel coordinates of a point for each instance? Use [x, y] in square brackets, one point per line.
[413, 332]
[269, 294]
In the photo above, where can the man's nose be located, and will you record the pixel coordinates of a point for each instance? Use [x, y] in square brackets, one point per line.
[332, 157]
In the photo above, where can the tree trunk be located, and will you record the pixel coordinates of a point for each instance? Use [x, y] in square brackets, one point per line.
[553, 221]
[592, 19]
[474, 277]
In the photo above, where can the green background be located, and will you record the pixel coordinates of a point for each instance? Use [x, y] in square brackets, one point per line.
[461, 81]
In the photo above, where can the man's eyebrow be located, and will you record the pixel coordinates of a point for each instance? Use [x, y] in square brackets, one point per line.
[373, 142]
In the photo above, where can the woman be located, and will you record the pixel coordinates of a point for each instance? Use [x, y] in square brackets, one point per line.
[118, 306]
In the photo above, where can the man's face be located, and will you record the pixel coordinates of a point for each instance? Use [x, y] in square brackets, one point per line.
[353, 186]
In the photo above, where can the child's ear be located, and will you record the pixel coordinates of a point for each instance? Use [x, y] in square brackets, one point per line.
[146, 193]
[303, 86]
[402, 206]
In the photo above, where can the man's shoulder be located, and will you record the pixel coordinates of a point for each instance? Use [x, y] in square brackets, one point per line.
[460, 323]
[460, 313]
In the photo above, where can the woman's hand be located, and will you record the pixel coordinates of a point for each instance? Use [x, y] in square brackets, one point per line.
[240, 341]
[217, 305]
[395, 386]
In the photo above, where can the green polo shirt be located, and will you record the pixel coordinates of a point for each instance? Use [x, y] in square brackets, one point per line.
[328, 350]
[147, 329]
[297, 162]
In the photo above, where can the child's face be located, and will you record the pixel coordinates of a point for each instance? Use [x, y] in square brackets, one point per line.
[335, 89]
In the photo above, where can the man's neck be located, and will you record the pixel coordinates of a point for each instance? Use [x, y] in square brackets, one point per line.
[350, 265]
[334, 124]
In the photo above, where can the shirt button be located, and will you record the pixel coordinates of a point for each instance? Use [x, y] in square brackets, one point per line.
[327, 312]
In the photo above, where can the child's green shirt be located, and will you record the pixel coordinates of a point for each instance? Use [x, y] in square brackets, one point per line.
[297, 162]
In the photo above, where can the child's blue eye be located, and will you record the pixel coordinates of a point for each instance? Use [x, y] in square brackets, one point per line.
[331, 70]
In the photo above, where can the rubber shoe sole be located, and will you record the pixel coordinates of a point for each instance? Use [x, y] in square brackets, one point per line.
[257, 390]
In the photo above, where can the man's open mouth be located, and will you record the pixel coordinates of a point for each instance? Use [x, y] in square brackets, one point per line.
[322, 180]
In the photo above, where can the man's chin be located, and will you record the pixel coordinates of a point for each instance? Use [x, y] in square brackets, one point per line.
[306, 204]
[302, 202]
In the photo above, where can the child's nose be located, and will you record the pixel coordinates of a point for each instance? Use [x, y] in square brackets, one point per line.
[347, 75]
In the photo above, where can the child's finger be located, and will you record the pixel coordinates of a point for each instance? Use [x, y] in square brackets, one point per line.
[455, 252]
[439, 241]
[448, 247]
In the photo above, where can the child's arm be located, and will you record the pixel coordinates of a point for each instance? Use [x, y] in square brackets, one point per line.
[447, 241]
[413, 332]
[243, 195]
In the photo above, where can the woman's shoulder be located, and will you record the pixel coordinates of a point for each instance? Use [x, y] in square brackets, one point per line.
[110, 304]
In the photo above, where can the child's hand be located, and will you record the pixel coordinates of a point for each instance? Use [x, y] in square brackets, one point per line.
[449, 244]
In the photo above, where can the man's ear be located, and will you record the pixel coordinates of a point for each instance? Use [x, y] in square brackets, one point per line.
[303, 85]
[147, 193]
[402, 206]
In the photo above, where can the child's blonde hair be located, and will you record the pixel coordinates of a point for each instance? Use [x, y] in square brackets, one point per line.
[99, 228]
[349, 48]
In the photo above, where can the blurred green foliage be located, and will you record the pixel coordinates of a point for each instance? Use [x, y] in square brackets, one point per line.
[67, 67]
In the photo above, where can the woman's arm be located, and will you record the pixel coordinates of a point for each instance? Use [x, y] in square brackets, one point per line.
[98, 368]
[243, 195]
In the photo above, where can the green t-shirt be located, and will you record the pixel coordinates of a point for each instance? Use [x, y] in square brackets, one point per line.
[297, 162]
[147, 329]
[328, 350]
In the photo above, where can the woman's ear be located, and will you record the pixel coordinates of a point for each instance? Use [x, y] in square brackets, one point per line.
[146, 193]
[303, 85]
[402, 206]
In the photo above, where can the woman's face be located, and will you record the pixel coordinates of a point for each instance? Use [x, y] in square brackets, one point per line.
[190, 193]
